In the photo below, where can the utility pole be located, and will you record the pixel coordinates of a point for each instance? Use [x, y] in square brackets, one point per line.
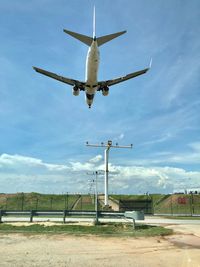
[96, 173]
[108, 145]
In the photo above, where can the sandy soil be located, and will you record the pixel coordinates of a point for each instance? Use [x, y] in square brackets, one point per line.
[63, 250]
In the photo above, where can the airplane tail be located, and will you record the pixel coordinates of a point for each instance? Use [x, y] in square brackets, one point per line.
[107, 38]
[83, 38]
[88, 40]
[94, 24]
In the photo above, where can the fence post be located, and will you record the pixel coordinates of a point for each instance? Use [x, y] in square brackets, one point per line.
[51, 199]
[31, 215]
[1, 216]
[36, 204]
[67, 201]
[65, 198]
[152, 205]
[133, 224]
[191, 204]
[22, 201]
[64, 215]
[6, 203]
[171, 205]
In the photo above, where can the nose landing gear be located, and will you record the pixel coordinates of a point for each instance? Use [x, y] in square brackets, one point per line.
[89, 106]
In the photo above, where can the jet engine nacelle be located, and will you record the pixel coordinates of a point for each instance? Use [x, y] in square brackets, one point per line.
[105, 91]
[76, 91]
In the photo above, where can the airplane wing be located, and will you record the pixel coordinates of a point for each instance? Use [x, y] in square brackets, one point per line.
[69, 81]
[121, 79]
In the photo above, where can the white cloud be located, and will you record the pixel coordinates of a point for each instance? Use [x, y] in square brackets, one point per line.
[19, 173]
[119, 137]
[159, 139]
[153, 179]
[78, 166]
[195, 146]
[96, 159]
[18, 162]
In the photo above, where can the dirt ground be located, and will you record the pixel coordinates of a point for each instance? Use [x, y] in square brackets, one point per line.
[180, 250]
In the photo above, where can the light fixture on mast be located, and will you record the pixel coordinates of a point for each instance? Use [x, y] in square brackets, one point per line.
[106, 153]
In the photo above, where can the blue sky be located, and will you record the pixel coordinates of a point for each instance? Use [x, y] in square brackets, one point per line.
[43, 127]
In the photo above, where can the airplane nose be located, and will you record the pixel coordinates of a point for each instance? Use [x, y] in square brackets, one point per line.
[89, 99]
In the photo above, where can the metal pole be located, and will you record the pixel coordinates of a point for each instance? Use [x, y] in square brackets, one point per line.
[96, 199]
[106, 176]
[108, 145]
[22, 202]
[36, 204]
[67, 201]
[95, 182]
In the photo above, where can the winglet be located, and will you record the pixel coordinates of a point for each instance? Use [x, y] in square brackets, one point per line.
[150, 63]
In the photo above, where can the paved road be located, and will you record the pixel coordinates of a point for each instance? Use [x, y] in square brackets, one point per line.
[148, 220]
[164, 221]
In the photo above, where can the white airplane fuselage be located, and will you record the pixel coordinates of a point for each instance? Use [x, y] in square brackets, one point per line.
[91, 84]
[92, 66]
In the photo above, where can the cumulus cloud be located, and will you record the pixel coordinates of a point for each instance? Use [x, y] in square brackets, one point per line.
[96, 159]
[21, 163]
[78, 166]
[20, 173]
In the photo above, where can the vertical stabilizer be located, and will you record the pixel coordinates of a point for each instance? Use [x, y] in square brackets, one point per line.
[94, 23]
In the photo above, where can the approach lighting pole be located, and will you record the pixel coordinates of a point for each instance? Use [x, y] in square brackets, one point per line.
[96, 173]
[106, 153]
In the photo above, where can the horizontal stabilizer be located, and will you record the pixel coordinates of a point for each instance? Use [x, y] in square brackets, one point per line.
[104, 39]
[83, 38]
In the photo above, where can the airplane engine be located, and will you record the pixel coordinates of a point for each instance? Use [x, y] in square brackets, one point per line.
[76, 91]
[105, 91]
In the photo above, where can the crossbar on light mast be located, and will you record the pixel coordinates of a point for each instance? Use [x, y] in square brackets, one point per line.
[108, 145]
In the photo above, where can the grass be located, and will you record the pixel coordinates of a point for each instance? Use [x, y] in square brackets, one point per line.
[36, 201]
[117, 229]
[170, 204]
[161, 203]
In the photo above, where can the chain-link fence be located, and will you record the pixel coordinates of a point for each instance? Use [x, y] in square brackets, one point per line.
[34, 201]
[178, 204]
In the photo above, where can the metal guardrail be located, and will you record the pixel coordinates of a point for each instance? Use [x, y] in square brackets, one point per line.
[177, 214]
[63, 213]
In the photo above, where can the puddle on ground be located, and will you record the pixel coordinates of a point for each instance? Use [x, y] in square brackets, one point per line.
[185, 241]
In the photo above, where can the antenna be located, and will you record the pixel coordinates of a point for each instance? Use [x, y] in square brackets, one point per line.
[94, 23]
[106, 153]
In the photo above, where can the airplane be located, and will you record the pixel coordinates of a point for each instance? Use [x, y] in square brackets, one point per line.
[91, 84]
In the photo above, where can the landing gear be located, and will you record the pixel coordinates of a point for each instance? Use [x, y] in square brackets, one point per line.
[89, 106]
